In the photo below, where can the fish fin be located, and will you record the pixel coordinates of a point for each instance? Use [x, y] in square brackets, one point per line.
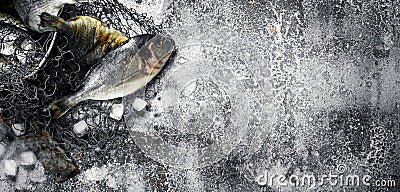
[59, 107]
[132, 77]
[49, 21]
[137, 76]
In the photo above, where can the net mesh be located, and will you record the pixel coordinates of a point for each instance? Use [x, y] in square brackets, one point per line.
[26, 100]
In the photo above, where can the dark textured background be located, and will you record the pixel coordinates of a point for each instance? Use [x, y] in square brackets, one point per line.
[322, 81]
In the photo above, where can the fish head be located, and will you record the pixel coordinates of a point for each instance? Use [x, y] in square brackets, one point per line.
[162, 46]
[156, 52]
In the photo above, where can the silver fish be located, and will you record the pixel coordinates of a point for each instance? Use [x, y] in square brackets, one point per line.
[121, 72]
[29, 11]
[50, 154]
[48, 151]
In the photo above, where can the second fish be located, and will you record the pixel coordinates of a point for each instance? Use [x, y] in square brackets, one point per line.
[89, 38]
[121, 72]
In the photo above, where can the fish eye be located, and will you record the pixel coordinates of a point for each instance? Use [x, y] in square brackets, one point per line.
[159, 44]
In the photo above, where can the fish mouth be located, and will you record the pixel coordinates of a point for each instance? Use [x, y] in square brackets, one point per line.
[162, 60]
[170, 48]
[169, 42]
[166, 56]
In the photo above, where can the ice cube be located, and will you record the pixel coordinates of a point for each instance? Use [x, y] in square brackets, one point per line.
[117, 110]
[10, 167]
[80, 128]
[28, 158]
[139, 104]
[96, 173]
[3, 149]
[18, 129]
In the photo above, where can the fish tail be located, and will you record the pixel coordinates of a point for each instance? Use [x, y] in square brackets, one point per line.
[59, 107]
[51, 22]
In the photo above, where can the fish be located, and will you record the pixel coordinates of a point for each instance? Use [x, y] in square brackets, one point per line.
[51, 155]
[47, 151]
[121, 72]
[30, 10]
[89, 38]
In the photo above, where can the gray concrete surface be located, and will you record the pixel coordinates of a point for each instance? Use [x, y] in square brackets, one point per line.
[257, 89]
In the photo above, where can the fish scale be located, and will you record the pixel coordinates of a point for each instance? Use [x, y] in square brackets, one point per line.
[89, 38]
[92, 30]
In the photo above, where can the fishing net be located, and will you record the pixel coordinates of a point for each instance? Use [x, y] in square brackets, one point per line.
[22, 53]
[25, 99]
